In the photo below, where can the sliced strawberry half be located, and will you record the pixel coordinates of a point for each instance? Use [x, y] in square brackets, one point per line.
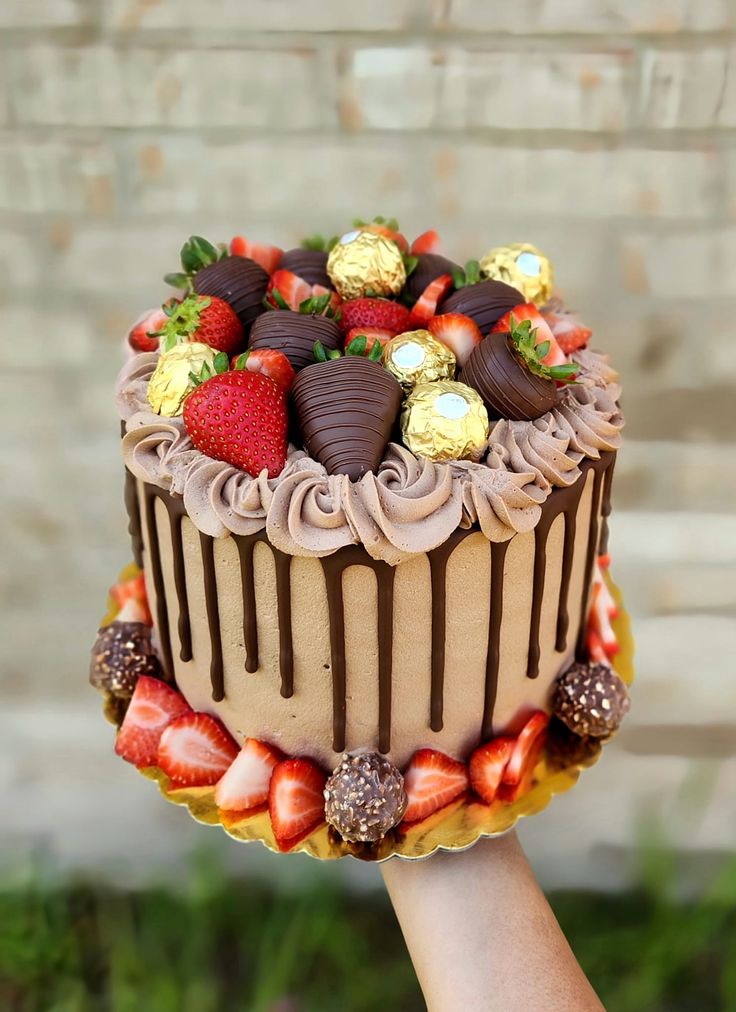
[152, 708]
[458, 332]
[144, 335]
[512, 792]
[296, 800]
[245, 783]
[427, 242]
[269, 257]
[487, 766]
[372, 335]
[528, 311]
[332, 304]
[195, 750]
[426, 305]
[270, 362]
[566, 326]
[432, 780]
[287, 290]
[133, 589]
[531, 735]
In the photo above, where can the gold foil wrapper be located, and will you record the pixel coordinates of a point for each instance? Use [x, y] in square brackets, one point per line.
[445, 421]
[365, 263]
[171, 382]
[522, 266]
[456, 827]
[418, 357]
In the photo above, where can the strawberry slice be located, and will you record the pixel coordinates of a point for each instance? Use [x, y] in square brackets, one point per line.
[427, 242]
[287, 290]
[296, 800]
[512, 792]
[431, 781]
[372, 335]
[195, 750]
[531, 734]
[134, 590]
[566, 326]
[528, 311]
[152, 708]
[270, 362]
[487, 765]
[269, 257]
[426, 305]
[333, 303]
[144, 335]
[390, 233]
[245, 783]
[458, 332]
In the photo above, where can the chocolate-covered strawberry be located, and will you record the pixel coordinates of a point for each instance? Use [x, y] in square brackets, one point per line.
[237, 280]
[294, 334]
[308, 264]
[346, 407]
[428, 267]
[483, 301]
[508, 372]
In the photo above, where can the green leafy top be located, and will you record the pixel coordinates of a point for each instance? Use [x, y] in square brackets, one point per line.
[357, 347]
[524, 337]
[183, 320]
[315, 305]
[319, 243]
[220, 364]
[470, 275]
[195, 254]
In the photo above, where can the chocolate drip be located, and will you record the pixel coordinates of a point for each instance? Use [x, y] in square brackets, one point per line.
[540, 568]
[150, 494]
[438, 559]
[498, 557]
[184, 629]
[246, 545]
[570, 511]
[598, 468]
[133, 509]
[606, 508]
[308, 264]
[217, 679]
[334, 566]
[283, 605]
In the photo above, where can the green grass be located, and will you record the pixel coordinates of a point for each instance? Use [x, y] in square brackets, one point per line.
[220, 945]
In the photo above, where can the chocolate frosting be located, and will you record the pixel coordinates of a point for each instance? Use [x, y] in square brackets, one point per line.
[508, 388]
[485, 302]
[294, 334]
[309, 264]
[347, 408]
[429, 266]
[237, 280]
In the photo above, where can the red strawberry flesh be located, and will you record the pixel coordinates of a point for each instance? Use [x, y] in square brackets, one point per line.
[152, 708]
[526, 740]
[426, 305]
[195, 750]
[528, 311]
[432, 780]
[245, 783]
[487, 765]
[370, 312]
[296, 800]
[458, 332]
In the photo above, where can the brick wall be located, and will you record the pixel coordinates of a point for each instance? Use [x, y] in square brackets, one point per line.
[604, 132]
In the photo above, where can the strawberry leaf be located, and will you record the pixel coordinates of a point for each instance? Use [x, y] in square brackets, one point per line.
[357, 346]
[320, 355]
[410, 263]
[240, 361]
[530, 354]
[376, 352]
[177, 280]
[221, 362]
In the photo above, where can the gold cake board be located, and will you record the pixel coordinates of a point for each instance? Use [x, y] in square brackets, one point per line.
[455, 827]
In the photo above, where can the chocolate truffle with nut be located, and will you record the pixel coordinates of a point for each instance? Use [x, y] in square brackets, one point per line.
[123, 651]
[365, 797]
[591, 699]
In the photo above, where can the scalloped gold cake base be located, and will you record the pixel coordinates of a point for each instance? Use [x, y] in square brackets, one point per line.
[455, 827]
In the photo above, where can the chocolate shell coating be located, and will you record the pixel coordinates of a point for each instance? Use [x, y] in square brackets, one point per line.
[347, 408]
[508, 388]
[309, 264]
[237, 280]
[294, 334]
[485, 302]
[429, 266]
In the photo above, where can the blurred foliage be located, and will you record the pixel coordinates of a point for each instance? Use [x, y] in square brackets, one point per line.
[220, 944]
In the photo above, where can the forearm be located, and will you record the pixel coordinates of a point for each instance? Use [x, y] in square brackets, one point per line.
[481, 934]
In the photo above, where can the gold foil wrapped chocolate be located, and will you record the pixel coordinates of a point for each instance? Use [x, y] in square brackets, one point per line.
[171, 381]
[522, 266]
[418, 357]
[445, 420]
[364, 263]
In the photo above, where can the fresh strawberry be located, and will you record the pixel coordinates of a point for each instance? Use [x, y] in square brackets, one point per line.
[373, 335]
[331, 304]
[426, 305]
[287, 291]
[370, 312]
[195, 750]
[239, 417]
[530, 735]
[458, 332]
[296, 800]
[146, 331]
[512, 792]
[269, 257]
[600, 633]
[269, 362]
[245, 783]
[487, 765]
[528, 311]
[427, 242]
[390, 233]
[134, 590]
[206, 319]
[566, 326]
[152, 708]
[431, 781]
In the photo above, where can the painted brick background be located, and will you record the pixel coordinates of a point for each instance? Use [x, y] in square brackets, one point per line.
[604, 132]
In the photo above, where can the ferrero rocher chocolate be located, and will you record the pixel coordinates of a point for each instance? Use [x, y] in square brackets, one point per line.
[364, 263]
[418, 357]
[171, 382]
[524, 267]
[591, 699]
[445, 420]
[365, 797]
[122, 653]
